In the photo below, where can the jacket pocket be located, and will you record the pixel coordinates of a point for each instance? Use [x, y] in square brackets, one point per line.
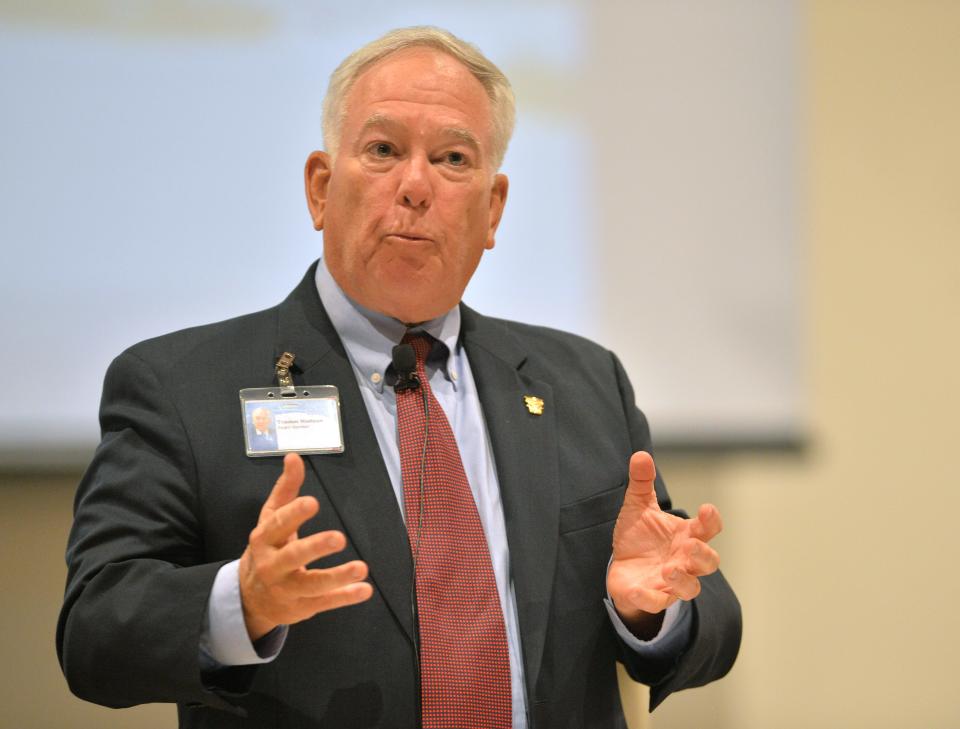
[599, 508]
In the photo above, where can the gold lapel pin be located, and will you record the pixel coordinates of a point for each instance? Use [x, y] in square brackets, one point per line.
[534, 404]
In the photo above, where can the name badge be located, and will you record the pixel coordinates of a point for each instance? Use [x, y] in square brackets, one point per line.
[303, 419]
[291, 419]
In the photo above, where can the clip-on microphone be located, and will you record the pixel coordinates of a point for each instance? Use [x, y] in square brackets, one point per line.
[405, 365]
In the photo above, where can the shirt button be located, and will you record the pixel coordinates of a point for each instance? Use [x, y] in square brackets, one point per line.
[453, 376]
[375, 378]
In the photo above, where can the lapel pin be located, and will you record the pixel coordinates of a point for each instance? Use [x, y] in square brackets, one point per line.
[534, 404]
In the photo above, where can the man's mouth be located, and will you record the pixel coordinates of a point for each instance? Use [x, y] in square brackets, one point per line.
[408, 237]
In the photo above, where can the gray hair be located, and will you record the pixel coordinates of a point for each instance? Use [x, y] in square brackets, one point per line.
[499, 91]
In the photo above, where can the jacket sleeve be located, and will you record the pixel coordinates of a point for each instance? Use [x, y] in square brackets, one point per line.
[717, 626]
[137, 585]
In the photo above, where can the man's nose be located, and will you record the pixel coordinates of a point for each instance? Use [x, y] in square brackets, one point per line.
[415, 189]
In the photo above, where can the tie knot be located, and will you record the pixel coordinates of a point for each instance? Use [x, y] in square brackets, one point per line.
[422, 344]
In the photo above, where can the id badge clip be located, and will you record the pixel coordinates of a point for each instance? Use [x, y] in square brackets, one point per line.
[301, 419]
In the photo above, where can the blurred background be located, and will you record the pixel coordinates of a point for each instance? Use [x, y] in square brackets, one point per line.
[755, 203]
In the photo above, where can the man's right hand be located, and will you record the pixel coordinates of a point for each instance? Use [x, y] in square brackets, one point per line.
[276, 588]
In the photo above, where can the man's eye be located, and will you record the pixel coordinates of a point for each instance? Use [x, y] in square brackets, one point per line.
[457, 159]
[381, 149]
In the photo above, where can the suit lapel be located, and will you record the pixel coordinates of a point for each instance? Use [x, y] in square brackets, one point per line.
[356, 482]
[525, 450]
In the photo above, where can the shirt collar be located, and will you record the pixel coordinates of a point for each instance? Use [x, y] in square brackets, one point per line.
[369, 336]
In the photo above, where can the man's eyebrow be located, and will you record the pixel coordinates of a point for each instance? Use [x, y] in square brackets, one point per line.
[464, 135]
[386, 122]
[378, 120]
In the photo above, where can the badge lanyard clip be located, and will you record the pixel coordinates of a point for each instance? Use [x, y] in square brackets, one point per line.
[283, 374]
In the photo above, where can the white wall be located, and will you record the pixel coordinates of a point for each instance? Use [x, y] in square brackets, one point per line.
[152, 180]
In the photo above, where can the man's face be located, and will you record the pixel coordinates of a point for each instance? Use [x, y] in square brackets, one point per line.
[261, 421]
[411, 201]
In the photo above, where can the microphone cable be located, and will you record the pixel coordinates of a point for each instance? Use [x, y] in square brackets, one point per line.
[404, 362]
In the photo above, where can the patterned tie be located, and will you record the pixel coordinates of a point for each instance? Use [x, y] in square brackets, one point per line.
[464, 662]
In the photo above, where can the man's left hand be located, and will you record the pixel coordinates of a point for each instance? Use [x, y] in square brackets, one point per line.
[657, 557]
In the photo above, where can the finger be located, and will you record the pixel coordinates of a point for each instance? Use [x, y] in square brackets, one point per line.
[680, 584]
[349, 595]
[287, 486]
[706, 524]
[278, 527]
[701, 558]
[301, 552]
[318, 582]
[642, 475]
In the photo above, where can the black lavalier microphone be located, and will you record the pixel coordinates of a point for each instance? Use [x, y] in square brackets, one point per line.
[405, 365]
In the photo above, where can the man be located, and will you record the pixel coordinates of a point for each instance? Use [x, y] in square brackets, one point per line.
[262, 437]
[526, 449]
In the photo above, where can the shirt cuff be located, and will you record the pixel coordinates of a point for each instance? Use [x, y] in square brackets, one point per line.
[224, 640]
[673, 636]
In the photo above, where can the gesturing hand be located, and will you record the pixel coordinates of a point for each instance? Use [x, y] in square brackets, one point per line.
[275, 586]
[657, 557]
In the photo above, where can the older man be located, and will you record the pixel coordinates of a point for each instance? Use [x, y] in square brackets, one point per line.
[452, 566]
[261, 436]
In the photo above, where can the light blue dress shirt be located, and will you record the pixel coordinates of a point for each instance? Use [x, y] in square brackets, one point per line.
[369, 338]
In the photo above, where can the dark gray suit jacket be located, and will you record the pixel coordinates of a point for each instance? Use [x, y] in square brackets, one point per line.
[170, 496]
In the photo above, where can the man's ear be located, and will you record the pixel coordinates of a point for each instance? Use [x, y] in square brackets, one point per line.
[498, 198]
[316, 178]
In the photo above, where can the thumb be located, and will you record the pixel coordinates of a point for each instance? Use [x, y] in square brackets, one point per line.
[643, 474]
[288, 485]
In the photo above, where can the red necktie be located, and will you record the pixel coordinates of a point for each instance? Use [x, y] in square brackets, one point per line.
[464, 661]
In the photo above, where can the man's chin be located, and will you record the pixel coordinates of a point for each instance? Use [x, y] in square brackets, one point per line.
[406, 293]
[416, 307]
